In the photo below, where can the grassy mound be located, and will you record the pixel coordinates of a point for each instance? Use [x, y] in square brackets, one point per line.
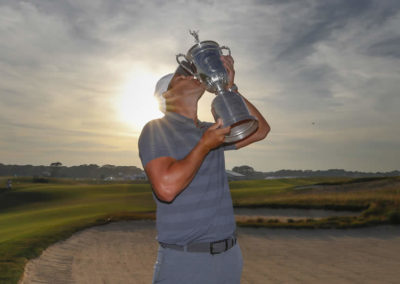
[34, 215]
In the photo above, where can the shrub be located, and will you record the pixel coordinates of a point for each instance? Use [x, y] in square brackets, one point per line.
[394, 217]
[37, 179]
[375, 208]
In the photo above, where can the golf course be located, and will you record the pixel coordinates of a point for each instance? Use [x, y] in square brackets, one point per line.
[38, 213]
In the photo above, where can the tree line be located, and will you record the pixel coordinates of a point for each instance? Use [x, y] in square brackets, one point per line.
[57, 169]
[250, 173]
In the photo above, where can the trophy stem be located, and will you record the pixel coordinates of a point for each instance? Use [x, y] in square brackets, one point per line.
[219, 90]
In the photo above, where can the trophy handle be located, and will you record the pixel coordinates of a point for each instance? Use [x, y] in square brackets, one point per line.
[183, 66]
[227, 48]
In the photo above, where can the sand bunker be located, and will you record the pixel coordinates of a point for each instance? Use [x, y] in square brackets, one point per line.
[124, 252]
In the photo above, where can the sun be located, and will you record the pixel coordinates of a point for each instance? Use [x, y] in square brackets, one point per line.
[136, 104]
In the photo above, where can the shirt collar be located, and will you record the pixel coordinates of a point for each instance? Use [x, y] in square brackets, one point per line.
[173, 116]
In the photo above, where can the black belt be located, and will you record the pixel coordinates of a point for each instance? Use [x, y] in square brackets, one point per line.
[212, 248]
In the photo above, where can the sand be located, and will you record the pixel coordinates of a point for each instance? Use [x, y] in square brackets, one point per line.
[124, 252]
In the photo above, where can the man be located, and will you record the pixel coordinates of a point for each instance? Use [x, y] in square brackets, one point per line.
[184, 160]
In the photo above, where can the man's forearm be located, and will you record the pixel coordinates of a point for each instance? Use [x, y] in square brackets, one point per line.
[180, 173]
[170, 176]
[263, 125]
[262, 130]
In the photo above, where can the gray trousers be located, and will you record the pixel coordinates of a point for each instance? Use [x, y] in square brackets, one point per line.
[176, 267]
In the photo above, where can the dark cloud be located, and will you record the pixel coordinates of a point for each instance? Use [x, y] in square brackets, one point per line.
[274, 2]
[322, 18]
[305, 88]
[386, 48]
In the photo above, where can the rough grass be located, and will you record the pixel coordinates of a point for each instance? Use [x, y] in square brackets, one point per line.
[34, 215]
[377, 199]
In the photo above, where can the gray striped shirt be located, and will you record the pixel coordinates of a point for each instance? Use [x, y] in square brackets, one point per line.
[203, 211]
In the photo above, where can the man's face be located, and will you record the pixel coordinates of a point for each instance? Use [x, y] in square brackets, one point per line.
[182, 84]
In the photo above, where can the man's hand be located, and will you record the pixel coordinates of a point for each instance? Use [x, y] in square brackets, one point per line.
[228, 62]
[214, 136]
[169, 176]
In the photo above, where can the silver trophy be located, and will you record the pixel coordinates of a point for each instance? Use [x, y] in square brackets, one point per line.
[205, 57]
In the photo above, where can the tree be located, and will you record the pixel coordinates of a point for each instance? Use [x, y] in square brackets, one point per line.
[55, 168]
[244, 170]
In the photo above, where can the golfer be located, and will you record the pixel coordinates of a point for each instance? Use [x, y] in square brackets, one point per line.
[184, 160]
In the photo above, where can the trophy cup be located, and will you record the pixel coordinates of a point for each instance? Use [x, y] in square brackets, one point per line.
[205, 57]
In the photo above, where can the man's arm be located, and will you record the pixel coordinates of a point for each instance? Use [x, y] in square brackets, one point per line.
[169, 176]
[263, 126]
[262, 130]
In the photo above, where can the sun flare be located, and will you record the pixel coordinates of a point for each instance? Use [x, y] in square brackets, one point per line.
[136, 104]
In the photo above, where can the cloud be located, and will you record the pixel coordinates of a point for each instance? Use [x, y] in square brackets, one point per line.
[335, 63]
[386, 48]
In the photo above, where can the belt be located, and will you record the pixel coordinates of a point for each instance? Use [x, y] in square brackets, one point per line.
[212, 248]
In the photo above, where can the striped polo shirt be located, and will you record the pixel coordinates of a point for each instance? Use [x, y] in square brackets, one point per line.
[203, 211]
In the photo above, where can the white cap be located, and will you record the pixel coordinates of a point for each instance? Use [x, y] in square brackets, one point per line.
[161, 88]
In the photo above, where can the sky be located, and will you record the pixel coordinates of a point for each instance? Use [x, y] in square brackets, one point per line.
[77, 78]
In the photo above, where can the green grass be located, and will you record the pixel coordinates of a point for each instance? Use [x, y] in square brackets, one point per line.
[377, 204]
[256, 193]
[36, 215]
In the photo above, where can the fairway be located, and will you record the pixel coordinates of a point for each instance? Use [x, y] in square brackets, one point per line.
[33, 216]
[36, 215]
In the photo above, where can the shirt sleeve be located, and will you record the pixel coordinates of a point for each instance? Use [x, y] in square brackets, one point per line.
[228, 147]
[152, 143]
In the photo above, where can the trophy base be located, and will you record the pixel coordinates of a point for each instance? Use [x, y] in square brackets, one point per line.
[241, 130]
[231, 108]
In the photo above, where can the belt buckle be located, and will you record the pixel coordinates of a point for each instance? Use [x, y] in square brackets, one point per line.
[217, 242]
